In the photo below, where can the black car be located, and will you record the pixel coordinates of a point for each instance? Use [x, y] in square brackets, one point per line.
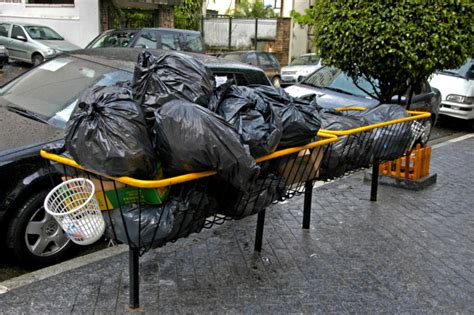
[160, 38]
[262, 59]
[34, 109]
[334, 88]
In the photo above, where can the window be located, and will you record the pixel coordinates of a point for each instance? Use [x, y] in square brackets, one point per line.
[232, 57]
[252, 59]
[42, 32]
[265, 60]
[50, 1]
[170, 41]
[4, 28]
[147, 40]
[192, 43]
[17, 31]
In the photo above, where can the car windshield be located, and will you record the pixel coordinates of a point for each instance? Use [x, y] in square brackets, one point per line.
[305, 60]
[334, 79]
[465, 71]
[51, 90]
[113, 39]
[42, 32]
[192, 42]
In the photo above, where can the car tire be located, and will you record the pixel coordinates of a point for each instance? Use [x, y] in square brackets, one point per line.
[276, 81]
[35, 238]
[37, 59]
[427, 128]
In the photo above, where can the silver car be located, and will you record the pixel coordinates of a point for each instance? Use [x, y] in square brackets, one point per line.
[300, 68]
[32, 43]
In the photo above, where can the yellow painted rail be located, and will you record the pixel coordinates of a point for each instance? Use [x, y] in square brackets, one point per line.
[325, 138]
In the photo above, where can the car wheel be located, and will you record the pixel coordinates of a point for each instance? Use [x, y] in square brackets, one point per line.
[35, 237]
[425, 135]
[37, 59]
[276, 81]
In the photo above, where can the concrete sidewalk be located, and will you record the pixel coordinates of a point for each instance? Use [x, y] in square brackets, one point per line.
[410, 252]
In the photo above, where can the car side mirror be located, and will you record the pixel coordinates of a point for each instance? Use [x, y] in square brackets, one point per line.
[403, 100]
[21, 37]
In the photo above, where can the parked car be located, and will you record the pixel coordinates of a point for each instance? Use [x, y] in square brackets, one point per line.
[264, 60]
[333, 88]
[161, 38]
[34, 109]
[3, 56]
[32, 43]
[457, 91]
[300, 68]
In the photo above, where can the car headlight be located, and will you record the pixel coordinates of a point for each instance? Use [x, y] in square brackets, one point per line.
[51, 51]
[460, 99]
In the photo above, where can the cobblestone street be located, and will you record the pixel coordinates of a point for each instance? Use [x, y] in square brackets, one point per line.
[408, 252]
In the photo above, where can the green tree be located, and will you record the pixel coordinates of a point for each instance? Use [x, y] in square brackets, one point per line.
[255, 9]
[187, 15]
[393, 44]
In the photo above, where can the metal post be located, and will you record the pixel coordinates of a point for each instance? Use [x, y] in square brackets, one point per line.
[256, 33]
[259, 234]
[308, 193]
[230, 33]
[375, 181]
[133, 263]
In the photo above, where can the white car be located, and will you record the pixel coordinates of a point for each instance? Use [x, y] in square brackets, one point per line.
[300, 68]
[457, 91]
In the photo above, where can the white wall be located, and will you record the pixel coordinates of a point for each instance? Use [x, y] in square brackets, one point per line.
[219, 5]
[78, 24]
[299, 38]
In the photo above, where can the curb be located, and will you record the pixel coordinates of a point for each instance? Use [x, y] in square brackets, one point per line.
[50, 271]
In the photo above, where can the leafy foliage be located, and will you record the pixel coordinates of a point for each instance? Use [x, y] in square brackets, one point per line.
[187, 15]
[393, 44]
[255, 9]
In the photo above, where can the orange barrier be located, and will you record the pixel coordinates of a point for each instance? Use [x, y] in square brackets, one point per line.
[415, 165]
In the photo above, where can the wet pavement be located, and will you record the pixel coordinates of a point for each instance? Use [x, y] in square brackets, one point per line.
[409, 252]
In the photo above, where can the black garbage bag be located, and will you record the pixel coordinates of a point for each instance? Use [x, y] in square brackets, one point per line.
[191, 138]
[142, 226]
[256, 121]
[258, 196]
[300, 118]
[218, 94]
[178, 217]
[107, 134]
[349, 152]
[157, 80]
[389, 142]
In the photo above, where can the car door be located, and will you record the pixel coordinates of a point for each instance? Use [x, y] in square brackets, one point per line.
[18, 46]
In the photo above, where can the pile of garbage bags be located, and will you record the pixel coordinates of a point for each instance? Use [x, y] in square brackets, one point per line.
[361, 149]
[173, 115]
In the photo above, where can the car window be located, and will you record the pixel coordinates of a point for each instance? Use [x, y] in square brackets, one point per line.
[422, 88]
[313, 60]
[170, 41]
[265, 60]
[51, 88]
[233, 57]
[192, 42]
[17, 31]
[114, 39]
[470, 73]
[275, 62]
[328, 77]
[251, 59]
[147, 40]
[42, 32]
[4, 28]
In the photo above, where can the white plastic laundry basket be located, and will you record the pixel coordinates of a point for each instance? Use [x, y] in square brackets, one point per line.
[74, 206]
